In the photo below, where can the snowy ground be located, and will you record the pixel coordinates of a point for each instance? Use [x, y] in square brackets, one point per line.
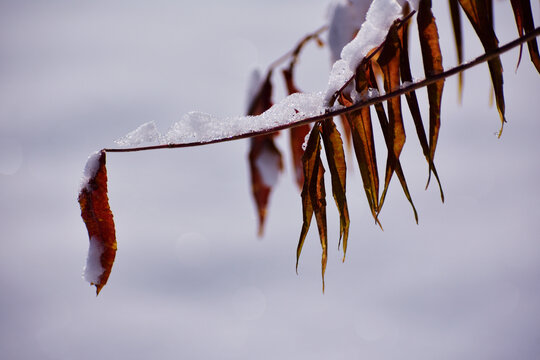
[191, 279]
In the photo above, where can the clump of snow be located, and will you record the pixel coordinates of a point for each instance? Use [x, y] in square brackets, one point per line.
[90, 169]
[146, 133]
[93, 269]
[345, 19]
[202, 127]
[268, 163]
[379, 18]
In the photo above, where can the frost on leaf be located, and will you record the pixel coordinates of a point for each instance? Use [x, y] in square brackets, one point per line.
[98, 218]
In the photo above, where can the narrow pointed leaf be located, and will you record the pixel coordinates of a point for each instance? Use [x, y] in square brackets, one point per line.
[314, 196]
[432, 59]
[297, 135]
[412, 101]
[265, 159]
[458, 37]
[98, 218]
[265, 162]
[308, 160]
[335, 155]
[525, 23]
[389, 62]
[364, 149]
[479, 14]
[392, 164]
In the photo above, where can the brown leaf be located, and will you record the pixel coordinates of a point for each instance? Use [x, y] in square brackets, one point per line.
[333, 147]
[389, 62]
[314, 196]
[265, 163]
[265, 159]
[432, 59]
[392, 163]
[98, 218]
[297, 135]
[479, 14]
[458, 37]
[525, 23]
[364, 149]
[412, 101]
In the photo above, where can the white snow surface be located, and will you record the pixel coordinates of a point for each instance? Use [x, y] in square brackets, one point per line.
[345, 19]
[146, 133]
[202, 127]
[90, 169]
[93, 269]
[379, 18]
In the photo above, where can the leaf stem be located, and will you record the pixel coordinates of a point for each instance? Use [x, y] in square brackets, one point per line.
[331, 113]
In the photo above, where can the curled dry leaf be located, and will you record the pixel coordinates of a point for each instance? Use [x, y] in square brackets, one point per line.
[525, 23]
[335, 156]
[432, 59]
[314, 196]
[479, 13]
[98, 218]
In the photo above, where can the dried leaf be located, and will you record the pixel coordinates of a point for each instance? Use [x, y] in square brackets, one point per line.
[412, 101]
[391, 161]
[458, 37]
[479, 14]
[389, 62]
[432, 59]
[265, 159]
[265, 162]
[333, 147]
[297, 135]
[98, 218]
[525, 23]
[314, 196]
[364, 149]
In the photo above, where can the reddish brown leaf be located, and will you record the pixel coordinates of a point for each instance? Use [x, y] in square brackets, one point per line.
[265, 159]
[364, 149]
[479, 14]
[314, 196]
[412, 101]
[298, 135]
[265, 164]
[391, 161]
[98, 218]
[389, 62]
[525, 23]
[432, 59]
[458, 37]
[333, 147]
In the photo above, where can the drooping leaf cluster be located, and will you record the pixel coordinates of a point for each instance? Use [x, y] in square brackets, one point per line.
[384, 72]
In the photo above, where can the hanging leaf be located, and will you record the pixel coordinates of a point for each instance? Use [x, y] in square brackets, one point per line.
[335, 156]
[479, 14]
[458, 37]
[525, 24]
[98, 218]
[389, 62]
[297, 134]
[265, 159]
[385, 127]
[412, 101]
[432, 59]
[364, 149]
[314, 196]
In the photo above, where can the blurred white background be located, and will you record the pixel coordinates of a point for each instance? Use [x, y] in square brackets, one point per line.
[191, 279]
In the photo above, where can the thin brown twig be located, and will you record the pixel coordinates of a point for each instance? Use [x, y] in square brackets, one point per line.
[331, 113]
